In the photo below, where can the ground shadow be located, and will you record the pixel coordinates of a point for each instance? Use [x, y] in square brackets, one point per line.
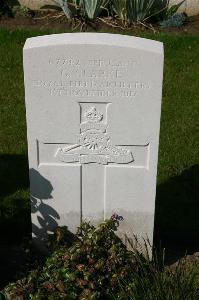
[14, 202]
[15, 222]
[6, 7]
[177, 215]
[14, 177]
[13, 173]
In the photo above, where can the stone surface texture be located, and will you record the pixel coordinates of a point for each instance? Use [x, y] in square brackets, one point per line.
[191, 7]
[36, 4]
[93, 105]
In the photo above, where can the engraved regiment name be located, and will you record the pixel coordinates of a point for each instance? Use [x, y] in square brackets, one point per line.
[92, 78]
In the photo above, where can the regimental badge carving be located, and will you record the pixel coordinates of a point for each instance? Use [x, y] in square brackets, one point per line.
[94, 145]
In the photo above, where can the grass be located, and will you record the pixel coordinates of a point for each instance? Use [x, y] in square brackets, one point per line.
[176, 203]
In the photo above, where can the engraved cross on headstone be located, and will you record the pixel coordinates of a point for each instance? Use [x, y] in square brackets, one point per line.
[94, 152]
[94, 146]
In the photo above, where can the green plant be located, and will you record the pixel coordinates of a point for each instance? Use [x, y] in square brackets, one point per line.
[60, 5]
[92, 267]
[21, 11]
[120, 8]
[93, 8]
[75, 7]
[162, 10]
[131, 10]
[64, 6]
[142, 10]
[176, 20]
[172, 9]
[97, 265]
[90, 9]
[139, 10]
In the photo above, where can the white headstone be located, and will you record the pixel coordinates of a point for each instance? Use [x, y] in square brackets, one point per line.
[93, 105]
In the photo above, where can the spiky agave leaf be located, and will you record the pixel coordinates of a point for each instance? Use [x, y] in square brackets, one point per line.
[138, 10]
[120, 8]
[93, 8]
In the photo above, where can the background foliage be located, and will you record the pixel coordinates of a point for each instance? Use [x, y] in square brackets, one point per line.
[128, 11]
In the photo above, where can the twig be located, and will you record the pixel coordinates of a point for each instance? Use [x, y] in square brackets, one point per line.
[41, 18]
[157, 12]
[139, 22]
[58, 16]
[111, 24]
[78, 24]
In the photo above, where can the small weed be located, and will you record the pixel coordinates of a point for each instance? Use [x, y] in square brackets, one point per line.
[21, 11]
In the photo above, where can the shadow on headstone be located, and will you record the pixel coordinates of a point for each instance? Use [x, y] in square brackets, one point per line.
[177, 215]
[47, 217]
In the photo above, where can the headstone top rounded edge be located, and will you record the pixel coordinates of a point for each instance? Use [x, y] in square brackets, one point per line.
[107, 39]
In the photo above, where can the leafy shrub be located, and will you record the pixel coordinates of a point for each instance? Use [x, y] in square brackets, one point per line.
[91, 268]
[176, 20]
[21, 11]
[97, 265]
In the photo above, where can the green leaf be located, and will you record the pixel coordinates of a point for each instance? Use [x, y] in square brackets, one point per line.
[138, 10]
[93, 8]
[2, 296]
[173, 9]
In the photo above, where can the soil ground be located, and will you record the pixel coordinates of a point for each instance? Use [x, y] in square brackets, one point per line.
[52, 20]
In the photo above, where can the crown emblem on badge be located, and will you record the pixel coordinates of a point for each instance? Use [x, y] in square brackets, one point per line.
[93, 115]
